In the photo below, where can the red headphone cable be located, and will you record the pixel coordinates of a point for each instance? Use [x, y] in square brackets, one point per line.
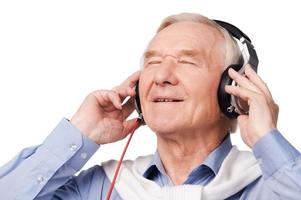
[121, 158]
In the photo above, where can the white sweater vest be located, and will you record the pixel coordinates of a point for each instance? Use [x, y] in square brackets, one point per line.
[238, 169]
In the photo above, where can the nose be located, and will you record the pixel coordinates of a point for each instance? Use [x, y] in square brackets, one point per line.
[165, 74]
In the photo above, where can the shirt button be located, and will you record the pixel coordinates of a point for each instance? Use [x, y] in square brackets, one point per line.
[73, 147]
[40, 179]
[84, 155]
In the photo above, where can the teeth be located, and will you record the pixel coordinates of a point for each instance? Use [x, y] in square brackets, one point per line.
[164, 100]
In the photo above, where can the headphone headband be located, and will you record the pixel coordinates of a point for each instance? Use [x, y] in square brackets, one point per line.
[233, 30]
[249, 53]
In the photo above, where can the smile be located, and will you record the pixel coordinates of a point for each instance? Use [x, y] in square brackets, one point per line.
[166, 100]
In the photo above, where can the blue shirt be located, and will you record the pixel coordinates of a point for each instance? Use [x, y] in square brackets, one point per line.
[47, 171]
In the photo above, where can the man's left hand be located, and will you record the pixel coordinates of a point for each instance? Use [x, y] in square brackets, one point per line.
[263, 111]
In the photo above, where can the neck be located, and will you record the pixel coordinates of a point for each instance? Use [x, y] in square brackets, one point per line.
[180, 153]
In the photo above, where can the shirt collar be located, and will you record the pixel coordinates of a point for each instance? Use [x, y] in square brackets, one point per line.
[217, 156]
[213, 161]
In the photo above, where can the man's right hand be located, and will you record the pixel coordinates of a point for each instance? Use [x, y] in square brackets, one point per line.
[102, 117]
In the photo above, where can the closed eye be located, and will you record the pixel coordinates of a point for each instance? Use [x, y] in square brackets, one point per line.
[154, 62]
[186, 62]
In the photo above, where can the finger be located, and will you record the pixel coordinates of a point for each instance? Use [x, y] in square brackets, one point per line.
[132, 79]
[127, 87]
[107, 98]
[131, 91]
[253, 76]
[241, 92]
[115, 99]
[129, 126]
[242, 80]
[124, 92]
[128, 108]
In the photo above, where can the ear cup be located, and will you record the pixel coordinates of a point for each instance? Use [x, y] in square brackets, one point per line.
[137, 102]
[224, 98]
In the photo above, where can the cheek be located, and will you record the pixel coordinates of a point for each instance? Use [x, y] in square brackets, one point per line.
[144, 87]
[203, 85]
[204, 95]
[143, 84]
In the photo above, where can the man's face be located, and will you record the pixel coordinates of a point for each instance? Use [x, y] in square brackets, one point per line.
[178, 83]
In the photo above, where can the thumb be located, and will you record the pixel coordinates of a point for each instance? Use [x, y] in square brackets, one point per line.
[242, 120]
[129, 126]
[242, 123]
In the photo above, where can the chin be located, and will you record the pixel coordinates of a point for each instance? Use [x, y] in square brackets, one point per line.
[163, 124]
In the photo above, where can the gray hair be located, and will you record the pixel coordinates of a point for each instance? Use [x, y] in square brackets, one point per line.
[232, 49]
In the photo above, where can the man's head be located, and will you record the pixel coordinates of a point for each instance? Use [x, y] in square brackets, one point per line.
[183, 63]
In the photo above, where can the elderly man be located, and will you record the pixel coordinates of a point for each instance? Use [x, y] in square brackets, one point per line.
[178, 84]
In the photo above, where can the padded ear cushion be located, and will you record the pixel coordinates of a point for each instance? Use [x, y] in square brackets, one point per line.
[137, 102]
[224, 98]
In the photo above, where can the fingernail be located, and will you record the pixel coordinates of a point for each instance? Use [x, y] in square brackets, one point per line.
[133, 92]
[120, 107]
[230, 70]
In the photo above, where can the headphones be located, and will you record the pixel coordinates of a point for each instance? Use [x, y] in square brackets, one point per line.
[229, 105]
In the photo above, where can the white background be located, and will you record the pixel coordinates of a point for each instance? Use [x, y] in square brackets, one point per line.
[53, 53]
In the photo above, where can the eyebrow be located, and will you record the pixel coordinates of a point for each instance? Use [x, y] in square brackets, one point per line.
[183, 52]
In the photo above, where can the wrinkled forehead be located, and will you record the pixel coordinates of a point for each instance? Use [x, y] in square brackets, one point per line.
[175, 38]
